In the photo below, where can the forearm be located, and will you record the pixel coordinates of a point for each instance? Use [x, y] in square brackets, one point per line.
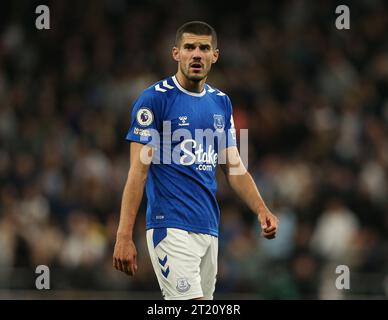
[132, 195]
[246, 189]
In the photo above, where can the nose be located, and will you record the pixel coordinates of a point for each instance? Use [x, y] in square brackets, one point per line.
[197, 54]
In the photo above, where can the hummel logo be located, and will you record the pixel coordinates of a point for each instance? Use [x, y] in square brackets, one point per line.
[183, 120]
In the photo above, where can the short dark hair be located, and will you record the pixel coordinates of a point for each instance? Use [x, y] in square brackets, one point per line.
[198, 28]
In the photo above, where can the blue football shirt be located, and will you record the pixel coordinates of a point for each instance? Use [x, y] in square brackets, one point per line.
[187, 131]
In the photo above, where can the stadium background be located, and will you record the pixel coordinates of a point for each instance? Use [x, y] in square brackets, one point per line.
[315, 101]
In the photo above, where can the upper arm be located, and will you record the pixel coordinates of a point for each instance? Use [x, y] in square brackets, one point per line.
[140, 159]
[230, 131]
[143, 133]
[230, 162]
[146, 120]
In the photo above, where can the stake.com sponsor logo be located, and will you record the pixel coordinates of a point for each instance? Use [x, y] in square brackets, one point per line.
[198, 150]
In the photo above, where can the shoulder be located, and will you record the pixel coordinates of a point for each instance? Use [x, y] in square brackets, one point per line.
[218, 96]
[159, 90]
[154, 99]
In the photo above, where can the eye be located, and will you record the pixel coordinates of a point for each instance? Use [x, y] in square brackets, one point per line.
[189, 47]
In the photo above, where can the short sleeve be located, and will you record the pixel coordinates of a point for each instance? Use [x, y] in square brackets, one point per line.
[230, 131]
[145, 120]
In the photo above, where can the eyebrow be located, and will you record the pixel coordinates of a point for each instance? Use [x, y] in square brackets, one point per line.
[201, 45]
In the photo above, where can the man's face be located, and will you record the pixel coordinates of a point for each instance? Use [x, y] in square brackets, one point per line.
[195, 55]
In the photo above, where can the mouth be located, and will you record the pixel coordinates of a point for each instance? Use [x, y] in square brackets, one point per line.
[196, 66]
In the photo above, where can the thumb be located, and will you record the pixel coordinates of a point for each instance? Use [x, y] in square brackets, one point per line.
[263, 221]
[135, 263]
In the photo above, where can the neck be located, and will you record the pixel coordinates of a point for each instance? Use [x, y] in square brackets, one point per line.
[190, 85]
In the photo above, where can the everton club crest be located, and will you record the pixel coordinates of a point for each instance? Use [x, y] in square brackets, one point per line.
[219, 122]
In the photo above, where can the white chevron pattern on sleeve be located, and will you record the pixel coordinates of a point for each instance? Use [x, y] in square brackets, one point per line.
[165, 84]
[158, 88]
[163, 87]
[211, 90]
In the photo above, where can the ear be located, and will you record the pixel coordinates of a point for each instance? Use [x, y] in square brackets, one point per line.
[216, 54]
[175, 54]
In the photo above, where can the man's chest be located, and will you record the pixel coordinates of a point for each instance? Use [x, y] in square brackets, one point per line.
[195, 116]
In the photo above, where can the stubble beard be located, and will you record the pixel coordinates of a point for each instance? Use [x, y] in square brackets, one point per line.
[194, 77]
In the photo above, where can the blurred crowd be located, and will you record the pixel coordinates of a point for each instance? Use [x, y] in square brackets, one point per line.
[315, 101]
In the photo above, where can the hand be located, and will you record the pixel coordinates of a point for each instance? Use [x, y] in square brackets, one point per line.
[269, 224]
[124, 256]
